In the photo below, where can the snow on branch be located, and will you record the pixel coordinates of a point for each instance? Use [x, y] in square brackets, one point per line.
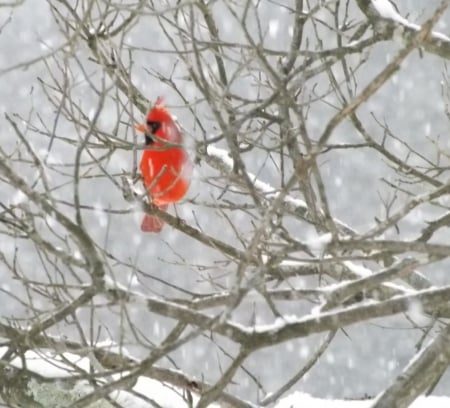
[221, 161]
[289, 328]
[118, 293]
[344, 290]
[386, 19]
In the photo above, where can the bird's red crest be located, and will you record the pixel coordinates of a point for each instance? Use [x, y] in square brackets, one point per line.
[159, 103]
[158, 111]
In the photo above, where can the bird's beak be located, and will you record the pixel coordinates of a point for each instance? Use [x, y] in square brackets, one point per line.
[141, 128]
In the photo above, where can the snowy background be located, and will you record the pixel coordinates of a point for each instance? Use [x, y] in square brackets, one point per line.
[360, 361]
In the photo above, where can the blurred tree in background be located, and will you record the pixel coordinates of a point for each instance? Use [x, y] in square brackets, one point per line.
[319, 200]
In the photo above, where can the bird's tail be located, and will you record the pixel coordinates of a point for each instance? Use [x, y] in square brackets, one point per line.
[151, 223]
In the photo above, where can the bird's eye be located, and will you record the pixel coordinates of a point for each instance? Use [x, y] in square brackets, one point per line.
[153, 126]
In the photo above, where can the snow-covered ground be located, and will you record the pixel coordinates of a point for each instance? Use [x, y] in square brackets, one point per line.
[62, 366]
[301, 400]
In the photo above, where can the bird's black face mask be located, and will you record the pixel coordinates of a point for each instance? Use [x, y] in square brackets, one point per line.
[153, 127]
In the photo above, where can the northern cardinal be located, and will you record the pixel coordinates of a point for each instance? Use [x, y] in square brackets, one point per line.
[165, 164]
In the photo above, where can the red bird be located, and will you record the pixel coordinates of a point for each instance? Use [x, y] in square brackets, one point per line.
[165, 164]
